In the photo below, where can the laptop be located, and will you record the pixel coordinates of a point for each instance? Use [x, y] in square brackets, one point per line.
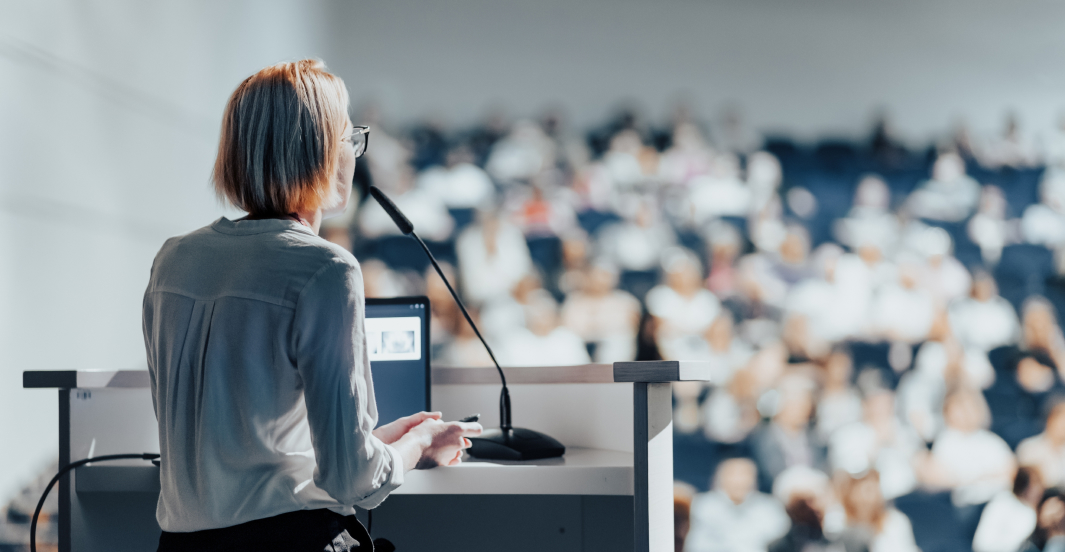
[397, 337]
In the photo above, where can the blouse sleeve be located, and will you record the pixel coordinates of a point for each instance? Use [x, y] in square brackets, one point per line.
[353, 466]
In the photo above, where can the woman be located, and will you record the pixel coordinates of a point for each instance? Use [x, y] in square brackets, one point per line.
[256, 345]
[871, 523]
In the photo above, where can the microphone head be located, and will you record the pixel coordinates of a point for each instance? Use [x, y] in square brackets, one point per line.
[401, 221]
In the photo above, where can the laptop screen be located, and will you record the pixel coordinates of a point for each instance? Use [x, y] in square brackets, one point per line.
[397, 336]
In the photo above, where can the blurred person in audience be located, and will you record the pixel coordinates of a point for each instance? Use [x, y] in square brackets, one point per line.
[984, 320]
[433, 220]
[950, 195]
[460, 184]
[725, 245]
[1046, 451]
[603, 315]
[1018, 403]
[682, 307]
[541, 212]
[807, 499]
[683, 494]
[1049, 534]
[504, 314]
[381, 281]
[688, 157]
[464, 349]
[1043, 223]
[788, 440]
[937, 367]
[575, 251]
[881, 442]
[1010, 518]
[522, 154]
[769, 277]
[872, 524]
[636, 244]
[726, 354]
[943, 275]
[989, 227]
[734, 516]
[730, 413]
[542, 342]
[629, 163]
[1040, 331]
[719, 193]
[870, 220]
[966, 458]
[766, 226]
[764, 176]
[444, 312]
[492, 256]
[834, 302]
[839, 403]
[903, 311]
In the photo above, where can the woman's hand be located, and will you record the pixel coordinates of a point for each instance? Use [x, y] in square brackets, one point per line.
[435, 443]
[390, 433]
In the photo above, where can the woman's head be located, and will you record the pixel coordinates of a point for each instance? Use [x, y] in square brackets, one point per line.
[283, 148]
[863, 501]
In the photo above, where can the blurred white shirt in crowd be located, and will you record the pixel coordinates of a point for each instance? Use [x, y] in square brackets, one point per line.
[712, 197]
[464, 186]
[985, 325]
[560, 347]
[857, 449]
[634, 247]
[896, 535]
[683, 315]
[1043, 226]
[491, 274]
[980, 460]
[429, 214]
[720, 525]
[1005, 524]
[901, 313]
[950, 195]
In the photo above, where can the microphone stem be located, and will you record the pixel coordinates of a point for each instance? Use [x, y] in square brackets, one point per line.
[504, 395]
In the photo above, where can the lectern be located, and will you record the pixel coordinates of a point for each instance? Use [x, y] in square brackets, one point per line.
[611, 491]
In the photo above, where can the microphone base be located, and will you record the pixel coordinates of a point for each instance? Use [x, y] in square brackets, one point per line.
[514, 444]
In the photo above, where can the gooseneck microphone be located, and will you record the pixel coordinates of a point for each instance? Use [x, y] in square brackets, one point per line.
[508, 442]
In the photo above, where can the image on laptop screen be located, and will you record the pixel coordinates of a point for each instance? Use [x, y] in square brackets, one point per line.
[397, 336]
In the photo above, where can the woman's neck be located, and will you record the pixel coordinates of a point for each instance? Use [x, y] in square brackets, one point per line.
[310, 219]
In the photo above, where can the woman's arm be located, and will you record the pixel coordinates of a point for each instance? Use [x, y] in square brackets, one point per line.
[391, 432]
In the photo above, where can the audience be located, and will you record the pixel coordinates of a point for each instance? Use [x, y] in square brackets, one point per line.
[846, 297]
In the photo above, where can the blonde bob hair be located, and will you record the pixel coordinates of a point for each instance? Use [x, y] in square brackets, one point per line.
[281, 139]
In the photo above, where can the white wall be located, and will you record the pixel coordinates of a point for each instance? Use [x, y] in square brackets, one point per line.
[109, 112]
[109, 115]
[808, 66]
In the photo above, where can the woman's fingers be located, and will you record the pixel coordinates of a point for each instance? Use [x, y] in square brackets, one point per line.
[466, 443]
[470, 429]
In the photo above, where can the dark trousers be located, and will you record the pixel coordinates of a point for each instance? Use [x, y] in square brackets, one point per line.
[302, 531]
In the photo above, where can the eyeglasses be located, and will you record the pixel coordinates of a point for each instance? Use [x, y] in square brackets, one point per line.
[360, 140]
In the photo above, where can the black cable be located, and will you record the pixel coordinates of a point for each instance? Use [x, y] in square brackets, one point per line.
[64, 470]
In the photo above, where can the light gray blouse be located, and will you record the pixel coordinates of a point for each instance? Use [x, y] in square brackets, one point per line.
[260, 377]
